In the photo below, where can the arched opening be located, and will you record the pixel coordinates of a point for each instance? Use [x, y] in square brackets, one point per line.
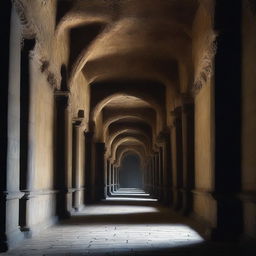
[130, 172]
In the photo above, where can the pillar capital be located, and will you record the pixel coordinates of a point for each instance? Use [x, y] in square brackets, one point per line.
[163, 135]
[78, 121]
[88, 134]
[176, 115]
[64, 96]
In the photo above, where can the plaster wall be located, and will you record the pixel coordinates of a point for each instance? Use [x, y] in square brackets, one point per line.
[249, 115]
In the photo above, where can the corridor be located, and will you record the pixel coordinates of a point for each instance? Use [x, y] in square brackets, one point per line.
[131, 223]
[127, 127]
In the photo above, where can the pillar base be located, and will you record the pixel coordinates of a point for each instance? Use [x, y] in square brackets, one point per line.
[10, 240]
[187, 202]
[177, 200]
[222, 235]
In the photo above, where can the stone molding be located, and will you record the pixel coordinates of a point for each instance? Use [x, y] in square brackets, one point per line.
[163, 136]
[225, 196]
[10, 195]
[78, 121]
[248, 196]
[30, 194]
[65, 95]
[203, 192]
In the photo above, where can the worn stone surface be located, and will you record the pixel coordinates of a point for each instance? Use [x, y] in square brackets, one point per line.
[123, 226]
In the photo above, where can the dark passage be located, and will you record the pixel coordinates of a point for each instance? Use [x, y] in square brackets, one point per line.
[130, 172]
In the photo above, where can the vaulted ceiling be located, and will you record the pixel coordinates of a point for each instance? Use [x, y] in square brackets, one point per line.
[130, 53]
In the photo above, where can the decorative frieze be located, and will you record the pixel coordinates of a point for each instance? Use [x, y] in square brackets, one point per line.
[206, 67]
[50, 76]
[28, 27]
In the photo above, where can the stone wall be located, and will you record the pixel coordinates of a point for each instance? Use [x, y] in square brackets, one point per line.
[50, 55]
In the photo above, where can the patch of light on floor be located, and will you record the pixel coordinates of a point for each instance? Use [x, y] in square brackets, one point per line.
[118, 210]
[130, 199]
[147, 238]
[115, 228]
[131, 194]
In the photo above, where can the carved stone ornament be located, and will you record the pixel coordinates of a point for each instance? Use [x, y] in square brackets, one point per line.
[28, 27]
[78, 121]
[206, 67]
[50, 76]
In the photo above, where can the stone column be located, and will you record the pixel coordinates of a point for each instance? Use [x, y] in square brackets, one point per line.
[108, 178]
[64, 153]
[164, 142]
[168, 168]
[156, 174]
[152, 175]
[118, 178]
[9, 128]
[115, 185]
[105, 177]
[88, 167]
[145, 178]
[160, 174]
[27, 137]
[99, 170]
[178, 166]
[77, 122]
[113, 178]
[188, 153]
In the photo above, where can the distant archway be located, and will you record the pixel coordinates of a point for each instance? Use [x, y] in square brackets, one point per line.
[131, 172]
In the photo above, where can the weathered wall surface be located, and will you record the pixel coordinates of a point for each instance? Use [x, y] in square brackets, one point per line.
[249, 116]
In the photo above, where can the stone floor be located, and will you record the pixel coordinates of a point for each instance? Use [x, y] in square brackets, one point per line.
[127, 224]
